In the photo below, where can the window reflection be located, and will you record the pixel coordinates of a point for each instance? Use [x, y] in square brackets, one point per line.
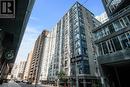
[124, 41]
[117, 25]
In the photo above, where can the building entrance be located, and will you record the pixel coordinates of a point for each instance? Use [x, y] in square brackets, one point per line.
[117, 75]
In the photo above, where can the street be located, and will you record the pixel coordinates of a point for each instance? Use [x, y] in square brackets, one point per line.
[14, 84]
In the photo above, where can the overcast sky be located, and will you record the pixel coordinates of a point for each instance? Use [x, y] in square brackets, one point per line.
[45, 15]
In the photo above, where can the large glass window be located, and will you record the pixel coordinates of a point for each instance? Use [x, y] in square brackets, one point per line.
[103, 32]
[128, 35]
[80, 69]
[117, 25]
[99, 34]
[86, 69]
[84, 50]
[83, 43]
[77, 37]
[78, 51]
[117, 43]
[100, 49]
[111, 28]
[83, 37]
[126, 21]
[124, 41]
[107, 31]
[66, 63]
[122, 23]
[128, 17]
[81, 23]
[105, 48]
[82, 30]
[110, 46]
[114, 4]
[107, 1]
[76, 30]
[77, 44]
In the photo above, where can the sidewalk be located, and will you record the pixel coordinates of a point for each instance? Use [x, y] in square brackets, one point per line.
[48, 86]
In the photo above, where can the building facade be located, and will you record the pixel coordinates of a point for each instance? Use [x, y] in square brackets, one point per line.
[18, 70]
[21, 69]
[27, 66]
[74, 50]
[47, 55]
[34, 72]
[14, 72]
[112, 40]
[69, 47]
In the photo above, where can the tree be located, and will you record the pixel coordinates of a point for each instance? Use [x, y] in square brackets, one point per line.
[61, 77]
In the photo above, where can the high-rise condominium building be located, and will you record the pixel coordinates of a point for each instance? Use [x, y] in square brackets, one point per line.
[27, 66]
[34, 72]
[47, 55]
[74, 50]
[68, 48]
[113, 44]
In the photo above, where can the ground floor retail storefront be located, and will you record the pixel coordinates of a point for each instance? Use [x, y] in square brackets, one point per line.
[83, 81]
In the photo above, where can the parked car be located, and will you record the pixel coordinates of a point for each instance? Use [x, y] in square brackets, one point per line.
[24, 81]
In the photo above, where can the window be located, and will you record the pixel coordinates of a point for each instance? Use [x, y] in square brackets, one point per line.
[111, 28]
[86, 69]
[81, 23]
[84, 51]
[99, 34]
[83, 43]
[107, 30]
[128, 35]
[117, 43]
[128, 17]
[65, 63]
[126, 21]
[103, 32]
[124, 41]
[78, 51]
[122, 23]
[117, 25]
[80, 69]
[104, 46]
[100, 49]
[110, 46]
[107, 1]
[82, 29]
[83, 36]
[77, 37]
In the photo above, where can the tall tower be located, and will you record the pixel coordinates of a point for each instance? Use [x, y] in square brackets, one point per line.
[36, 59]
[74, 51]
[27, 66]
